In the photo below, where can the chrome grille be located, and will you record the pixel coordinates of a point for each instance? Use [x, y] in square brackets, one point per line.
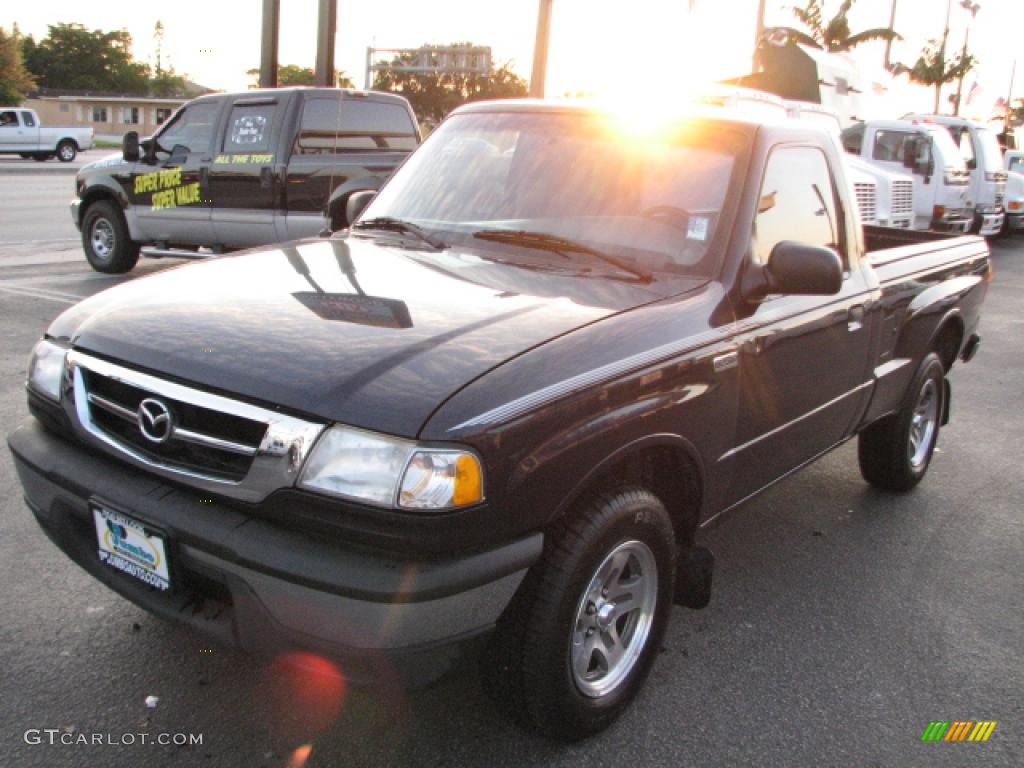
[866, 201]
[902, 198]
[199, 439]
[207, 441]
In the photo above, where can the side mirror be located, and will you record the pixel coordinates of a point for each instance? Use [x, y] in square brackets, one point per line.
[910, 150]
[130, 147]
[795, 269]
[148, 149]
[357, 203]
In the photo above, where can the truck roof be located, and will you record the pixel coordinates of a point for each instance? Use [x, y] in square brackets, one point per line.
[314, 90]
[683, 110]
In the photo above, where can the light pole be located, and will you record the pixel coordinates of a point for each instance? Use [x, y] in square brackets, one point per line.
[540, 50]
[967, 5]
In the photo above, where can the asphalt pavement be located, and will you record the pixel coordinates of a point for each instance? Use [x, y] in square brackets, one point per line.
[843, 620]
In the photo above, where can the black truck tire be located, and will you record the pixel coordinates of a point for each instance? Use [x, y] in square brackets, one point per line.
[67, 150]
[578, 639]
[105, 238]
[895, 452]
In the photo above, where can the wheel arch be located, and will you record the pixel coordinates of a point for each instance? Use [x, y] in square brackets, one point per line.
[666, 464]
[948, 337]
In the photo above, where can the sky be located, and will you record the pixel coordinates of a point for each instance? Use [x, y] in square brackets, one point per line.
[597, 46]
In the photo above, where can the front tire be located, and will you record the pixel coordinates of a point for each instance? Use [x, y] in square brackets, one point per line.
[67, 151]
[579, 638]
[105, 238]
[895, 452]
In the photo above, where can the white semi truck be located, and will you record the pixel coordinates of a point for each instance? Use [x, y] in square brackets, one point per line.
[980, 149]
[923, 152]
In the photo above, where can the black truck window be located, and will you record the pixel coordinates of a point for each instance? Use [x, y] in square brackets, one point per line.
[333, 126]
[797, 202]
[249, 128]
[192, 128]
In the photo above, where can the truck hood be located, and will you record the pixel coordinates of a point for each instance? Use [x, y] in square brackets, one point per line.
[351, 330]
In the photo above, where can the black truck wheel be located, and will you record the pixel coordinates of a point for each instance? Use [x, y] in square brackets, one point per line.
[894, 452]
[67, 150]
[579, 638]
[106, 241]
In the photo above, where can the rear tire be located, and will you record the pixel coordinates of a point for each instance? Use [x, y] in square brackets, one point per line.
[105, 238]
[895, 452]
[579, 638]
[67, 150]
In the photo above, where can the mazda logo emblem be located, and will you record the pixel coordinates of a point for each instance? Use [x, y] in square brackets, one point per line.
[156, 422]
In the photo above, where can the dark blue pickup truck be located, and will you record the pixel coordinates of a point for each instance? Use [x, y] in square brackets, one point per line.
[498, 409]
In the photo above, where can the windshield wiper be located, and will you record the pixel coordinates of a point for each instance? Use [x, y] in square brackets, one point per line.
[389, 224]
[560, 245]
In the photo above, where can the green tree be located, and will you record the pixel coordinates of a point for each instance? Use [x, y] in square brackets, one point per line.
[434, 94]
[292, 74]
[833, 35]
[15, 81]
[72, 57]
[935, 69]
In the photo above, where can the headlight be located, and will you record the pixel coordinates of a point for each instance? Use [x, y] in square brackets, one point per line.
[441, 479]
[388, 471]
[46, 369]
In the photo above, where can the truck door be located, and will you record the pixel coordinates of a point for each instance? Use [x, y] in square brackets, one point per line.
[889, 151]
[12, 134]
[244, 175]
[804, 360]
[171, 197]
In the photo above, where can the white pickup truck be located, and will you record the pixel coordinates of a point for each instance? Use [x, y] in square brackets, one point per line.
[21, 133]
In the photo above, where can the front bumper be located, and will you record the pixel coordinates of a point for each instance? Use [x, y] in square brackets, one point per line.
[257, 585]
[989, 224]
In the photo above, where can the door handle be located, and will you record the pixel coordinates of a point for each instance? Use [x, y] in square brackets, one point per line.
[855, 318]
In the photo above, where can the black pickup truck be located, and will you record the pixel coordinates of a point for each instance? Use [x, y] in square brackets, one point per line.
[231, 171]
[503, 404]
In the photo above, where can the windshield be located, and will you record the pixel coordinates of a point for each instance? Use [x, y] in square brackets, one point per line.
[947, 150]
[1016, 164]
[493, 181]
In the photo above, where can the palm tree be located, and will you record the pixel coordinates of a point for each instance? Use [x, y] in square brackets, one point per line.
[833, 35]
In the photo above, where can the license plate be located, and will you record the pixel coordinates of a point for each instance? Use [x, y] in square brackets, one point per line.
[130, 547]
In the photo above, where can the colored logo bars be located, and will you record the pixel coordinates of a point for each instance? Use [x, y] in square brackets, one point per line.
[958, 730]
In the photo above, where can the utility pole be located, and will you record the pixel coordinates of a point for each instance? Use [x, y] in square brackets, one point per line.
[540, 50]
[1009, 100]
[327, 26]
[942, 54]
[268, 43]
[973, 7]
[758, 34]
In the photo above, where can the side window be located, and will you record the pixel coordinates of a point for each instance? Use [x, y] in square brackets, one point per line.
[889, 145]
[332, 126]
[8, 118]
[192, 128]
[249, 128]
[27, 120]
[797, 202]
[853, 138]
